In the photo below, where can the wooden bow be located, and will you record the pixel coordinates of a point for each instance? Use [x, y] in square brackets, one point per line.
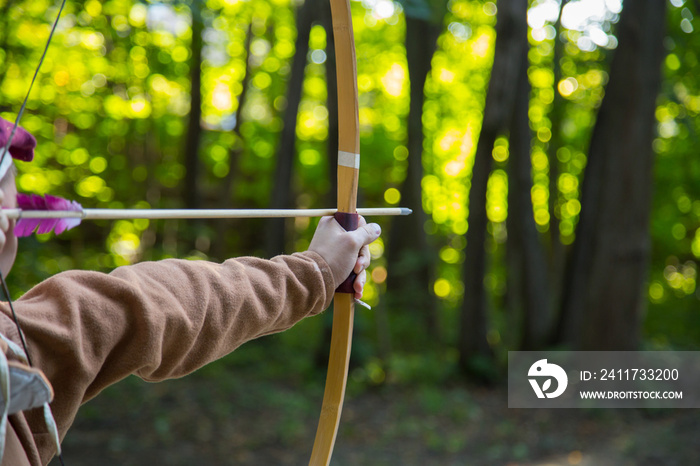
[348, 170]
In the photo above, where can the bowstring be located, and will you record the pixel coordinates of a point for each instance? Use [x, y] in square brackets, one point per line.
[5, 151]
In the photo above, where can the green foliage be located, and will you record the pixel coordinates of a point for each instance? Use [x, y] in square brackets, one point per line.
[110, 112]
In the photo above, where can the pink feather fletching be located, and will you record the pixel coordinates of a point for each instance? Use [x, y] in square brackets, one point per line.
[26, 226]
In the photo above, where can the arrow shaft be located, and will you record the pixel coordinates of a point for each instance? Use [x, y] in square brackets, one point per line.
[122, 214]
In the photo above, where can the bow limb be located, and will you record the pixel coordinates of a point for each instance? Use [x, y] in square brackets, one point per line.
[348, 170]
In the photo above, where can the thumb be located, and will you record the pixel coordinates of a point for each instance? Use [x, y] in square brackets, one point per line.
[366, 234]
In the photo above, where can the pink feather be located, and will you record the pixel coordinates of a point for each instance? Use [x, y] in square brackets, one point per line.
[26, 226]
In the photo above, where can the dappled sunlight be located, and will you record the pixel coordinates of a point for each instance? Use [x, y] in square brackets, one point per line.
[497, 197]
[567, 86]
[222, 100]
[681, 278]
[481, 46]
[392, 196]
[591, 18]
[445, 76]
[394, 80]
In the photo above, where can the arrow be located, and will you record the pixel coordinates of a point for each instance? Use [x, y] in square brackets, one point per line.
[123, 214]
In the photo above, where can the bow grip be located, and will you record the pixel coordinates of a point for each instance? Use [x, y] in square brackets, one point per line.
[350, 222]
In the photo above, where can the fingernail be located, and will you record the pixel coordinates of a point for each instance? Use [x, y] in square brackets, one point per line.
[377, 228]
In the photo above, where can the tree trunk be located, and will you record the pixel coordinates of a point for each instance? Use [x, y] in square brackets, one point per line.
[192, 196]
[410, 258]
[498, 108]
[529, 263]
[282, 186]
[604, 289]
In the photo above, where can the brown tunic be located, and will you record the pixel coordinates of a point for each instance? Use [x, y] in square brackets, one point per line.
[158, 320]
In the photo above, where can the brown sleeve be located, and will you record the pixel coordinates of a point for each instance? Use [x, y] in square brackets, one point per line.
[159, 320]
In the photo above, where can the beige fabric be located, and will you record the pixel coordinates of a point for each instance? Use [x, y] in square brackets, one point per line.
[158, 320]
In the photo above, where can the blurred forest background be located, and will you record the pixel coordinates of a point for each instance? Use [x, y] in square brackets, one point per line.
[548, 149]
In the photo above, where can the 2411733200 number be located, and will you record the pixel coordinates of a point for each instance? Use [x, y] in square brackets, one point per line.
[638, 374]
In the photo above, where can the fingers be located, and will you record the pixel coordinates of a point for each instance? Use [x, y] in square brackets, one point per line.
[363, 260]
[365, 234]
[359, 284]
